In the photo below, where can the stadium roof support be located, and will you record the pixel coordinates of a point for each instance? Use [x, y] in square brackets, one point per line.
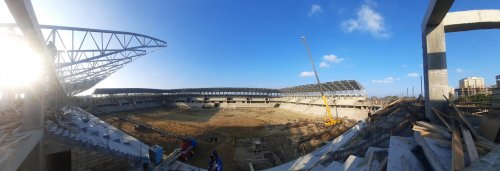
[437, 22]
[85, 56]
[221, 91]
[28, 142]
[344, 87]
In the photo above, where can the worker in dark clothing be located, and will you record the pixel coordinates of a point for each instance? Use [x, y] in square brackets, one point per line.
[369, 116]
[211, 138]
[215, 138]
[215, 164]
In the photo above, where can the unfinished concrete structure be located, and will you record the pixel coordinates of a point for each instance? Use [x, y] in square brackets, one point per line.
[436, 23]
[67, 70]
[24, 149]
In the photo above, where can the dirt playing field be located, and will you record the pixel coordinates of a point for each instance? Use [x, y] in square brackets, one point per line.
[282, 135]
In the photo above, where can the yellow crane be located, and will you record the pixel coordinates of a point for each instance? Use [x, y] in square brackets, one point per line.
[329, 120]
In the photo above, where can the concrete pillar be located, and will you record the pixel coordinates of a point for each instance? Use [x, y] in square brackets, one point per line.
[435, 70]
[35, 160]
[33, 108]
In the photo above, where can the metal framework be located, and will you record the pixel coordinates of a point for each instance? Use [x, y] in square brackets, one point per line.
[221, 91]
[85, 57]
[344, 87]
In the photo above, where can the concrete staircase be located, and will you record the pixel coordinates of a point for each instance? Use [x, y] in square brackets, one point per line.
[76, 126]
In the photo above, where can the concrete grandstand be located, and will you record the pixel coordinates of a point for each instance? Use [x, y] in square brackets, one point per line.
[347, 97]
[46, 127]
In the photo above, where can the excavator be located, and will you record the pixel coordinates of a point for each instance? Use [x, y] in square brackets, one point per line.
[329, 119]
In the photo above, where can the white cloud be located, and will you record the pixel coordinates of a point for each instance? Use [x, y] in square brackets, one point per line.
[388, 80]
[306, 74]
[324, 65]
[315, 9]
[413, 74]
[332, 58]
[459, 70]
[368, 20]
[404, 66]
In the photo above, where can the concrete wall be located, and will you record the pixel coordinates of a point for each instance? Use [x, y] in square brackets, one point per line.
[82, 159]
[354, 107]
[118, 108]
[224, 105]
[349, 113]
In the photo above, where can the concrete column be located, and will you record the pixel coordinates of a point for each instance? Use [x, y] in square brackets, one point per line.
[35, 160]
[435, 70]
[33, 108]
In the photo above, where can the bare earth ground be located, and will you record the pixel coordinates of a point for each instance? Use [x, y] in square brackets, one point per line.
[286, 134]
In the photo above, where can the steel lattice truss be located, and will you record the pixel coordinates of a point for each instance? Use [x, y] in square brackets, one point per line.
[85, 57]
[221, 91]
[344, 87]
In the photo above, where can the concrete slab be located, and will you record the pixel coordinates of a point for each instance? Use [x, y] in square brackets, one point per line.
[353, 163]
[335, 165]
[438, 157]
[490, 161]
[399, 150]
[310, 160]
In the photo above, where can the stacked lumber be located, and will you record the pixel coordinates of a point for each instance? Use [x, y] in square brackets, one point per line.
[456, 134]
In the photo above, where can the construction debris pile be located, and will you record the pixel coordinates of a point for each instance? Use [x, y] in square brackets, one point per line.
[265, 152]
[454, 146]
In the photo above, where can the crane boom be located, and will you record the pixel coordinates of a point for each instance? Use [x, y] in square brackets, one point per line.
[330, 120]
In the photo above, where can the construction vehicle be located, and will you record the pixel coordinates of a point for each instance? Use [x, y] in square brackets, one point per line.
[187, 147]
[329, 120]
[185, 151]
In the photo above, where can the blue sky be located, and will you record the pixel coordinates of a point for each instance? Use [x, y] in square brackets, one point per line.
[227, 43]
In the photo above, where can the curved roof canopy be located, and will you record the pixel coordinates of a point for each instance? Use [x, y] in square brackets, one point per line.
[334, 86]
[348, 87]
[84, 57]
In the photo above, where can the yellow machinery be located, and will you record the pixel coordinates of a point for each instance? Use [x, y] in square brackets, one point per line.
[329, 120]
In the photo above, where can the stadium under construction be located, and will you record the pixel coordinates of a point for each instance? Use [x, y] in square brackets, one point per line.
[44, 126]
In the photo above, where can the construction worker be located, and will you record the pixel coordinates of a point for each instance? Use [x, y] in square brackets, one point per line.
[369, 116]
[215, 164]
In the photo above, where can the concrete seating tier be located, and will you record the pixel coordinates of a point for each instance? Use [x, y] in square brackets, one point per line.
[88, 131]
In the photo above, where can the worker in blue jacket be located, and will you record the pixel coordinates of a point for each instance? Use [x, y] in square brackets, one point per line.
[215, 163]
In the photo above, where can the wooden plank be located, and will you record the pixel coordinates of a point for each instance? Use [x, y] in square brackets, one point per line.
[457, 153]
[485, 145]
[383, 165]
[251, 166]
[462, 117]
[440, 115]
[443, 143]
[430, 134]
[429, 154]
[469, 144]
[433, 128]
